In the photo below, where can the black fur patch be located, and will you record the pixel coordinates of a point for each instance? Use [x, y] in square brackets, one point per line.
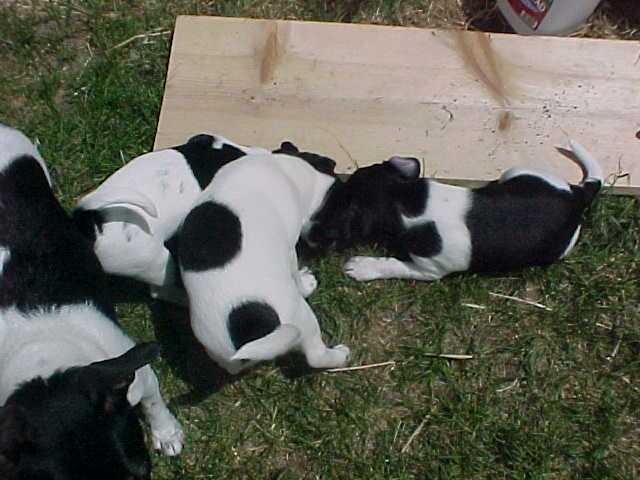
[51, 263]
[210, 237]
[65, 427]
[367, 208]
[88, 222]
[521, 222]
[588, 191]
[422, 240]
[411, 196]
[319, 162]
[172, 245]
[251, 321]
[204, 160]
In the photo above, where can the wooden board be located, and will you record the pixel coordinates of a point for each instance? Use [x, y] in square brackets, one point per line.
[470, 104]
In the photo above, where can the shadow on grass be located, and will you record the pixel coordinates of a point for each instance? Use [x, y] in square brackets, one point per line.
[485, 16]
[127, 290]
[189, 359]
[622, 12]
[294, 365]
[186, 356]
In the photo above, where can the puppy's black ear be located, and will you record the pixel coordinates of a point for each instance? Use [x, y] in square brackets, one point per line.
[287, 147]
[13, 435]
[108, 381]
[319, 162]
[407, 167]
[202, 139]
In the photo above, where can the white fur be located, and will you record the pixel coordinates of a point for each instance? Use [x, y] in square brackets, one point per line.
[12, 141]
[5, 255]
[40, 343]
[274, 196]
[158, 188]
[586, 161]
[572, 242]
[552, 179]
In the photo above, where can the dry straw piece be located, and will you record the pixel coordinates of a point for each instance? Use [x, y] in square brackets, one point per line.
[390, 363]
[521, 300]
[449, 356]
[415, 434]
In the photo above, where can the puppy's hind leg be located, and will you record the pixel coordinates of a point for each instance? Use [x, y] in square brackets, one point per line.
[318, 355]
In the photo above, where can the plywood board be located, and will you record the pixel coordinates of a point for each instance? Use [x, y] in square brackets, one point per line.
[470, 104]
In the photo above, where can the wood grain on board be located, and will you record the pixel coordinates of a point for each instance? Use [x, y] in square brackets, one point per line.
[469, 104]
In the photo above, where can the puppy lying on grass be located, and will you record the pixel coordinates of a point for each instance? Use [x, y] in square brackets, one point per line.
[527, 217]
[236, 250]
[69, 376]
[136, 210]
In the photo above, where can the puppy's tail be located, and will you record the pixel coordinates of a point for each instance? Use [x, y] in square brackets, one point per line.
[592, 179]
[280, 341]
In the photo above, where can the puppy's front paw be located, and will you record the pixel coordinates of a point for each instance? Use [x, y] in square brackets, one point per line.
[307, 281]
[168, 439]
[363, 268]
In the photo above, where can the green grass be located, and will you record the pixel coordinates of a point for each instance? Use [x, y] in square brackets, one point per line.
[549, 394]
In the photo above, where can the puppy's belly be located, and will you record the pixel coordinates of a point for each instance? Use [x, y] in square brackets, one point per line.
[451, 259]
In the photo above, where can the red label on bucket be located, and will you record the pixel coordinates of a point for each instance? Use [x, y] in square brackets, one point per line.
[531, 12]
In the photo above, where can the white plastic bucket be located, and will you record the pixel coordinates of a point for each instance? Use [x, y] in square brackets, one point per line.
[546, 17]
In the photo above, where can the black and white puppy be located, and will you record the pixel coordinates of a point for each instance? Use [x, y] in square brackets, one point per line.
[527, 217]
[238, 260]
[136, 210]
[69, 376]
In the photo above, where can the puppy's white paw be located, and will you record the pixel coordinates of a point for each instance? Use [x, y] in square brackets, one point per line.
[307, 282]
[363, 268]
[343, 352]
[168, 439]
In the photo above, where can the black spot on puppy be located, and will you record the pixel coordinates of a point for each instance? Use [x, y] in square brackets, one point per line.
[412, 197]
[541, 223]
[251, 321]
[422, 240]
[205, 160]
[210, 237]
[89, 222]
